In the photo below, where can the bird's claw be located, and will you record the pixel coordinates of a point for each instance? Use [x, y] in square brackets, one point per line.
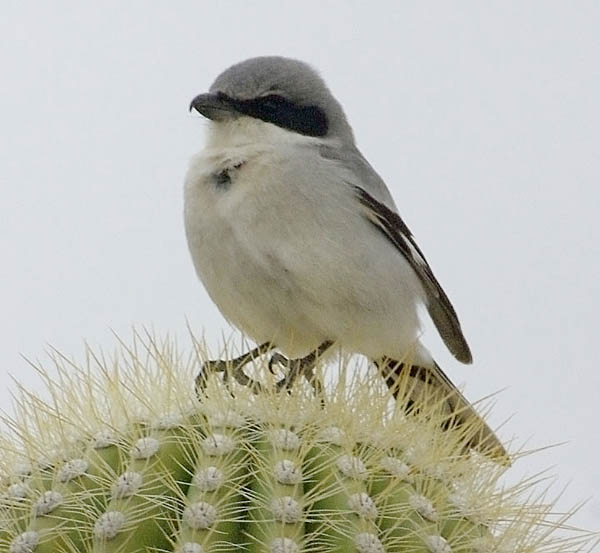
[232, 367]
[207, 368]
[295, 367]
[229, 369]
[278, 359]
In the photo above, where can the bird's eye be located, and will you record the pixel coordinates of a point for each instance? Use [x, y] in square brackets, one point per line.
[273, 101]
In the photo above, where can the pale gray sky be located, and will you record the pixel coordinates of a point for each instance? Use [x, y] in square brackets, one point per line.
[483, 118]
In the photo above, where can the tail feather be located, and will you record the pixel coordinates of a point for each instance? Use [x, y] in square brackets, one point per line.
[420, 385]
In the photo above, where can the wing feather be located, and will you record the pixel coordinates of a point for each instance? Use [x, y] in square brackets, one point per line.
[391, 225]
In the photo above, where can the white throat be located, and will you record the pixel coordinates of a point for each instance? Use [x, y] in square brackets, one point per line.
[249, 131]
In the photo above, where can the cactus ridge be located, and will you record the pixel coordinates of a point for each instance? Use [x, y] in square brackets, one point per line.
[122, 457]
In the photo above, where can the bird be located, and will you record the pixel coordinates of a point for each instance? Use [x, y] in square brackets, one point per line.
[299, 243]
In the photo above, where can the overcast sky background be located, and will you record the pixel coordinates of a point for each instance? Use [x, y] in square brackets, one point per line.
[483, 118]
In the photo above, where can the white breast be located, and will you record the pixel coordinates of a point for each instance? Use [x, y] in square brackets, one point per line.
[232, 251]
[284, 252]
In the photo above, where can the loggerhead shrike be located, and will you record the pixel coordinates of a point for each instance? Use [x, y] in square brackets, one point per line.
[298, 240]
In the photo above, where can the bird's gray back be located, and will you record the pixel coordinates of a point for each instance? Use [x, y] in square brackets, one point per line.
[363, 174]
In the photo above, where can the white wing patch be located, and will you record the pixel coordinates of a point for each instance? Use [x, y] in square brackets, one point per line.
[414, 252]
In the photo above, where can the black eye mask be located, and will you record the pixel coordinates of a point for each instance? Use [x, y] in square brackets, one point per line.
[306, 120]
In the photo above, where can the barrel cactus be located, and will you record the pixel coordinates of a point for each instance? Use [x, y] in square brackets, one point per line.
[122, 456]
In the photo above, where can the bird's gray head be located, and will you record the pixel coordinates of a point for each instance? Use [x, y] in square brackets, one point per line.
[282, 91]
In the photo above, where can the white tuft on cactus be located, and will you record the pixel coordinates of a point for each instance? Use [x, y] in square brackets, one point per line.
[18, 490]
[127, 484]
[169, 421]
[284, 545]
[437, 544]
[363, 505]
[286, 509]
[209, 479]
[200, 515]
[287, 472]
[109, 525]
[217, 445]
[191, 547]
[49, 501]
[396, 467]
[333, 435]
[72, 469]
[285, 440]
[352, 467]
[145, 448]
[25, 542]
[104, 438]
[368, 543]
[423, 506]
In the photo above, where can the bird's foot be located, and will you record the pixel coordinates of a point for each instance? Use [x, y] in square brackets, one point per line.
[232, 368]
[302, 366]
[294, 369]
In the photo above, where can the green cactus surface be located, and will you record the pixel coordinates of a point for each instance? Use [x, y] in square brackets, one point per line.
[120, 455]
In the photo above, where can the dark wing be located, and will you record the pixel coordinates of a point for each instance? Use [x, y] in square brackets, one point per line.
[440, 309]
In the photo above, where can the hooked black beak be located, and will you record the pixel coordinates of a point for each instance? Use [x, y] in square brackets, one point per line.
[215, 106]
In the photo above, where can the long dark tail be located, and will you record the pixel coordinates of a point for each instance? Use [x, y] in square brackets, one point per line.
[419, 385]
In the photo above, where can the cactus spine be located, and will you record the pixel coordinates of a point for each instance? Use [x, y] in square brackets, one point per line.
[124, 458]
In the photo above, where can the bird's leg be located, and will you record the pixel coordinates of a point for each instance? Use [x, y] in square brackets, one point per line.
[233, 367]
[304, 366]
